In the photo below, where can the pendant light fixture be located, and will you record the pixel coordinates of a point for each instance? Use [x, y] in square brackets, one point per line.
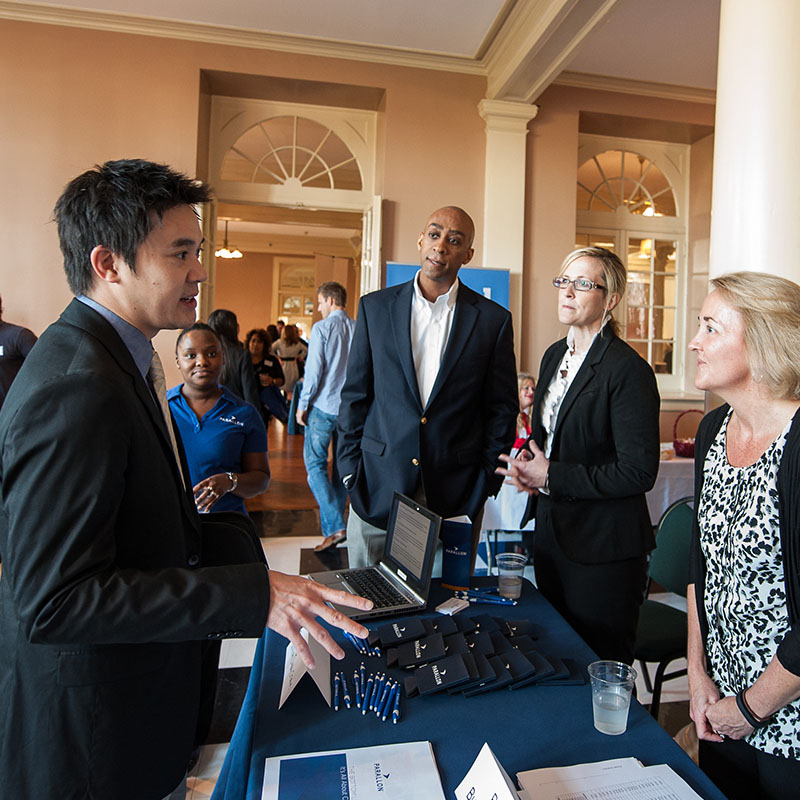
[224, 252]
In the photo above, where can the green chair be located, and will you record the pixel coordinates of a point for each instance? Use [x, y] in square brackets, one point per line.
[661, 632]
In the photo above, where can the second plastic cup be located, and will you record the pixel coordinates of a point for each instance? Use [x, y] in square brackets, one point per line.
[510, 567]
[612, 685]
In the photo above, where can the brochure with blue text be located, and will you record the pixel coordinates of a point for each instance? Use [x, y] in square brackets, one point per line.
[391, 771]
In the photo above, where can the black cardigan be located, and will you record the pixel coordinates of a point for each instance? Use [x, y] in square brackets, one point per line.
[789, 515]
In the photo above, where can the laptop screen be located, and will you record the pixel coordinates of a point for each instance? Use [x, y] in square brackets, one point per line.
[411, 540]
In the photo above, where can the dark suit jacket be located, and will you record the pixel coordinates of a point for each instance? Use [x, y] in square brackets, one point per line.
[605, 452]
[104, 600]
[239, 375]
[386, 437]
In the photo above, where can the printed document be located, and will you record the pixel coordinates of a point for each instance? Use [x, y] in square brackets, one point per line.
[620, 778]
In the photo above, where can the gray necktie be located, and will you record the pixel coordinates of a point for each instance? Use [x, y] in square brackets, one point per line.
[156, 374]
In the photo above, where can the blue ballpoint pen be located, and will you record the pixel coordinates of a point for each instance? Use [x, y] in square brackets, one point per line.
[387, 688]
[346, 691]
[387, 706]
[367, 691]
[363, 673]
[353, 640]
[396, 709]
[336, 692]
[371, 698]
[498, 601]
[377, 688]
[357, 688]
[489, 596]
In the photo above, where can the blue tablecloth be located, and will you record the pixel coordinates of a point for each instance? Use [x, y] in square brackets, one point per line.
[532, 727]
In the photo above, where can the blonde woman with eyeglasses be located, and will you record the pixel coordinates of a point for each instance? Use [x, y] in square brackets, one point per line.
[592, 455]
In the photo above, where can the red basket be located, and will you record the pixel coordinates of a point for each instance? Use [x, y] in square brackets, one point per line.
[684, 448]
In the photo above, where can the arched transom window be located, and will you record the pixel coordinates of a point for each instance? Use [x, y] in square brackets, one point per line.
[621, 179]
[292, 151]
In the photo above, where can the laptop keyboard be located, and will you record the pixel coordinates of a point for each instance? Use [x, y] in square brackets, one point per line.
[371, 584]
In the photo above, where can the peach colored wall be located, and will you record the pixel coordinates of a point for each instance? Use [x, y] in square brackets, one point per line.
[552, 171]
[244, 286]
[72, 98]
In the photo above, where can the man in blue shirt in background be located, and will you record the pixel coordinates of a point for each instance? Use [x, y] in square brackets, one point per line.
[326, 366]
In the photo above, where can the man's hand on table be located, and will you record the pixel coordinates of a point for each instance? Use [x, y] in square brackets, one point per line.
[296, 602]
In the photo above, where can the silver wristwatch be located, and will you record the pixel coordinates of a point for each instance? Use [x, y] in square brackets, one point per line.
[234, 479]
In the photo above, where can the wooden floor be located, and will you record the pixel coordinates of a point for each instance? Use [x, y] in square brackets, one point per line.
[288, 489]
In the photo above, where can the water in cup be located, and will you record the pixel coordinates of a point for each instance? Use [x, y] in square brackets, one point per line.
[510, 568]
[611, 711]
[612, 686]
[510, 586]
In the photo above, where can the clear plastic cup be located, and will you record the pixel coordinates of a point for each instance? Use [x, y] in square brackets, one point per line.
[612, 686]
[510, 567]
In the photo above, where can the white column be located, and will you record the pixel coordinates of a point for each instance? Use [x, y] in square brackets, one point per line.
[756, 194]
[504, 194]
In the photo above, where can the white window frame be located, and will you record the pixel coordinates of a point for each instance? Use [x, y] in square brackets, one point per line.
[673, 161]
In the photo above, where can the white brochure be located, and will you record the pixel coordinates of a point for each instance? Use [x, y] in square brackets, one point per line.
[405, 771]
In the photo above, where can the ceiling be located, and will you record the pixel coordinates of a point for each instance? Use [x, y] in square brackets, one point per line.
[666, 48]
[672, 42]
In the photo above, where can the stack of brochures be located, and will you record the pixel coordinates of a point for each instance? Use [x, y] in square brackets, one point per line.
[620, 778]
[391, 771]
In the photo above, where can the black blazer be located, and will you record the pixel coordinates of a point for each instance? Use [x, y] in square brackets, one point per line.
[605, 452]
[104, 601]
[386, 437]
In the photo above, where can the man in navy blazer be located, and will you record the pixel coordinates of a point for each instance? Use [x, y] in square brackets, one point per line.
[430, 398]
[105, 600]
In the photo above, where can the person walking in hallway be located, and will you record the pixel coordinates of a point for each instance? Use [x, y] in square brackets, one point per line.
[318, 407]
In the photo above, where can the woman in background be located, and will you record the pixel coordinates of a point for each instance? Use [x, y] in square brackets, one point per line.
[504, 511]
[269, 374]
[290, 350]
[224, 438]
[267, 366]
[593, 454]
[744, 592]
[526, 384]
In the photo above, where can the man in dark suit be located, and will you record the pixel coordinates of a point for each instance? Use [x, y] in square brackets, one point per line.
[105, 601]
[430, 398]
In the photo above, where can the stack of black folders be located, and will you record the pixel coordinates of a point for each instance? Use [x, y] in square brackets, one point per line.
[471, 655]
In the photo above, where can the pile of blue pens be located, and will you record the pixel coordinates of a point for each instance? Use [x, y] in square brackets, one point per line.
[362, 645]
[486, 594]
[377, 693]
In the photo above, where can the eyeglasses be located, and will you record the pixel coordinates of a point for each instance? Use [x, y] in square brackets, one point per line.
[580, 284]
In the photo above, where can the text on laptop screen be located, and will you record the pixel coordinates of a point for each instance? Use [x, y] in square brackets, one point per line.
[410, 539]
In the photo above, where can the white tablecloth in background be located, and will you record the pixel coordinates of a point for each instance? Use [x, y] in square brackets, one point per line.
[675, 480]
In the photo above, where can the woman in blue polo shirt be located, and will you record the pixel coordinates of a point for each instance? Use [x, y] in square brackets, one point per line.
[224, 438]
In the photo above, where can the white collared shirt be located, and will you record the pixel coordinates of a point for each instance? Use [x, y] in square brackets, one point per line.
[430, 330]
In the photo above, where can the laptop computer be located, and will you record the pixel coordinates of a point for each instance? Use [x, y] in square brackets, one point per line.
[399, 583]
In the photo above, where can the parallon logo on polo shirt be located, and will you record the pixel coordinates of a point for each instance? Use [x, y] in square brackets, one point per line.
[232, 420]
